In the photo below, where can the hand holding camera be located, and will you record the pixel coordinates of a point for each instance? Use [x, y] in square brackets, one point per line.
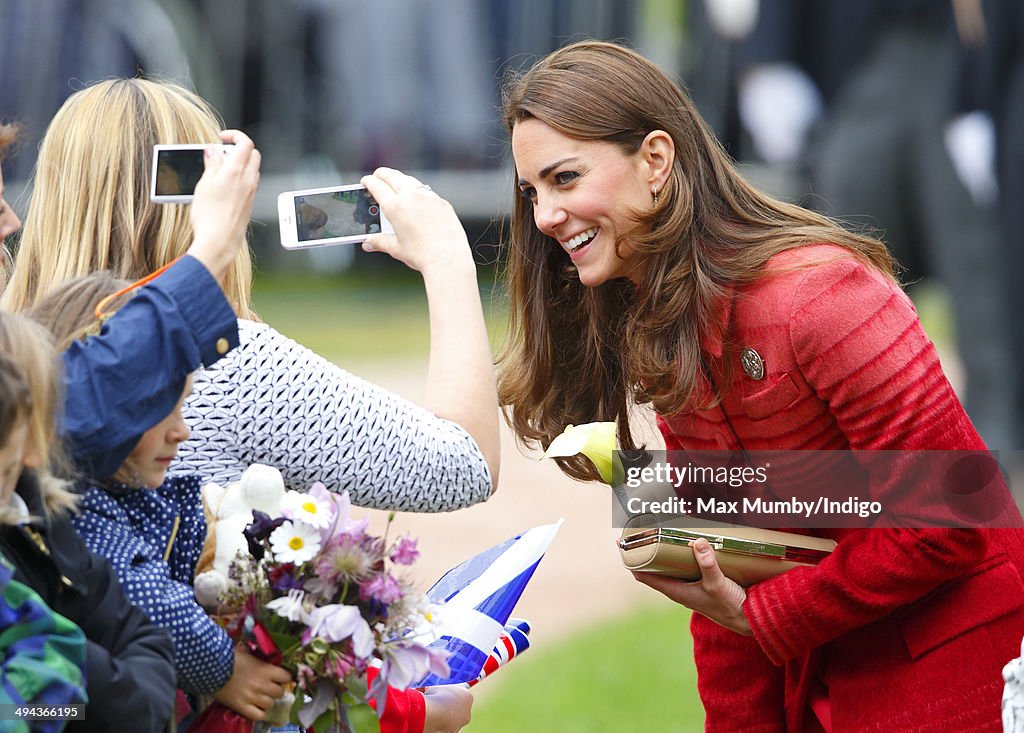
[428, 233]
[222, 204]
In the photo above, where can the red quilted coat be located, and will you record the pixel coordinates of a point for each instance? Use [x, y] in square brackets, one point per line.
[898, 630]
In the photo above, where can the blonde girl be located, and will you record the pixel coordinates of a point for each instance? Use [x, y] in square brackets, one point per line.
[271, 400]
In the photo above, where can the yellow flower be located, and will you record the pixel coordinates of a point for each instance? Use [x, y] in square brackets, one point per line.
[596, 441]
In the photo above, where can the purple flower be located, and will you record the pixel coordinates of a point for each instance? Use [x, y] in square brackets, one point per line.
[407, 662]
[341, 667]
[337, 623]
[258, 532]
[382, 588]
[341, 506]
[405, 552]
[283, 578]
[344, 559]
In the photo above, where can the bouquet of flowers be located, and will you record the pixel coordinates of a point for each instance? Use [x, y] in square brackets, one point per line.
[320, 596]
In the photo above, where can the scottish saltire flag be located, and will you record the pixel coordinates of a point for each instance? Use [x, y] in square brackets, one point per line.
[478, 597]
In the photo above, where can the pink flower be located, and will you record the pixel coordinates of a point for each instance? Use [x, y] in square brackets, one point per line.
[405, 552]
[344, 559]
[341, 506]
[406, 663]
[305, 675]
[382, 588]
[337, 623]
[341, 667]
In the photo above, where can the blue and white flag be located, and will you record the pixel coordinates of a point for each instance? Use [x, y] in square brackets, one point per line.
[478, 597]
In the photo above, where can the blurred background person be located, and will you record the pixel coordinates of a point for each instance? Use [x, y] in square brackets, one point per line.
[868, 96]
[1000, 76]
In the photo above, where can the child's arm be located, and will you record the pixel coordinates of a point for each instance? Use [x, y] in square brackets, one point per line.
[127, 379]
[254, 685]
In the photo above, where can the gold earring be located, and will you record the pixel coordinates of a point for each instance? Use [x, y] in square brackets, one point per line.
[654, 195]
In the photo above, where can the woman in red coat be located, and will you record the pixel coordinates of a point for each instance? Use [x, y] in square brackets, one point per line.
[643, 268]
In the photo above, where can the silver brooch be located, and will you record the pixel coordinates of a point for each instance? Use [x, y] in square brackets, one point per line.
[752, 363]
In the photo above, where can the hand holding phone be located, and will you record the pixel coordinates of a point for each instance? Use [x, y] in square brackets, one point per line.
[316, 217]
[222, 205]
[428, 233]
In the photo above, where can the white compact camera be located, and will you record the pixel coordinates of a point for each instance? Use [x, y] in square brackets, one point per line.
[176, 171]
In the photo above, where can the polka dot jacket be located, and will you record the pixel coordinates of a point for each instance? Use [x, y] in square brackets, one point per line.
[133, 528]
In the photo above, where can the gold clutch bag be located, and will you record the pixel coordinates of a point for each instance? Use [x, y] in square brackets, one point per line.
[745, 554]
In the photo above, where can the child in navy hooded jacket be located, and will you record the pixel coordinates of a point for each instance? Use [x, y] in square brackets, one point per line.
[151, 528]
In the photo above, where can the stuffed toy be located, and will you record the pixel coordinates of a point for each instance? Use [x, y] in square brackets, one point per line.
[228, 511]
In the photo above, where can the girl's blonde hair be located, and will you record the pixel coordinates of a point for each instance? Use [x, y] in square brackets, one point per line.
[15, 406]
[30, 347]
[90, 207]
[69, 312]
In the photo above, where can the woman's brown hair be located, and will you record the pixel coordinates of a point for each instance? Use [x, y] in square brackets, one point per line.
[11, 136]
[576, 354]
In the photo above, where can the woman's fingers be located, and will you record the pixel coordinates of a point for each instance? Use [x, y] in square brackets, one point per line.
[398, 181]
[714, 595]
[242, 142]
[380, 189]
[380, 243]
[710, 572]
[213, 161]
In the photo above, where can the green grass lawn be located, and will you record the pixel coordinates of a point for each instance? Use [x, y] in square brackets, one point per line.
[375, 316]
[630, 674]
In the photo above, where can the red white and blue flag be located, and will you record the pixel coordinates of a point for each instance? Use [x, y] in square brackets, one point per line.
[477, 598]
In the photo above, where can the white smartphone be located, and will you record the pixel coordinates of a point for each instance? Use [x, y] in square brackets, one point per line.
[317, 217]
[176, 171]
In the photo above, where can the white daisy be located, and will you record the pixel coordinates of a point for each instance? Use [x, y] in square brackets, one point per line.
[309, 508]
[295, 542]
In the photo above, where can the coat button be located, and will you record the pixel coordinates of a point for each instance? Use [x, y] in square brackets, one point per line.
[752, 363]
[222, 346]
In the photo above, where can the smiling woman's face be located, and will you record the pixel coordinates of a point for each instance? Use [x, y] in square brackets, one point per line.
[584, 195]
